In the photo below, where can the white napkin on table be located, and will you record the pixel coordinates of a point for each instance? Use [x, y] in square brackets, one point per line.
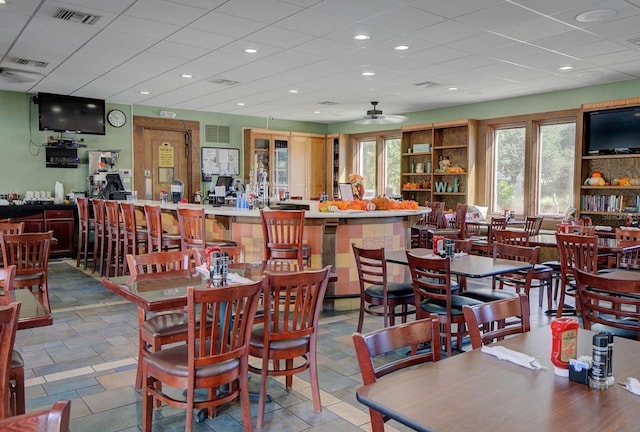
[512, 356]
[633, 385]
[237, 279]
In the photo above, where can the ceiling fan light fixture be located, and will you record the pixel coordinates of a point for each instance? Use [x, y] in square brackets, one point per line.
[375, 116]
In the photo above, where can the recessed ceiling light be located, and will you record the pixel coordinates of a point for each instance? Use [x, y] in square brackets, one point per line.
[293, 91]
[3, 2]
[144, 92]
[186, 76]
[596, 15]
[240, 103]
[362, 37]
[453, 88]
[565, 67]
[401, 47]
[368, 73]
[316, 112]
[251, 50]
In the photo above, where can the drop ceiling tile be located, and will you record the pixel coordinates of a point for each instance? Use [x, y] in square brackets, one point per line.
[173, 49]
[445, 32]
[226, 25]
[136, 26]
[495, 17]
[554, 6]
[199, 38]
[631, 68]
[613, 59]
[263, 11]
[518, 51]
[534, 29]
[566, 40]
[314, 22]
[482, 43]
[356, 9]
[279, 37]
[114, 6]
[622, 27]
[623, 9]
[455, 8]
[593, 49]
[165, 12]
[403, 20]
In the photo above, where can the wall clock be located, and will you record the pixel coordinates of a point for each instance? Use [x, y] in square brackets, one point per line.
[116, 118]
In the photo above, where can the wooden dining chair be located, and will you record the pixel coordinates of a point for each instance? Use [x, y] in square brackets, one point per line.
[290, 333]
[8, 325]
[390, 345]
[215, 355]
[379, 296]
[16, 371]
[576, 252]
[135, 238]
[193, 229]
[493, 321]
[431, 277]
[8, 227]
[609, 304]
[283, 233]
[159, 241]
[29, 252]
[485, 247]
[55, 419]
[542, 277]
[629, 260]
[86, 227]
[166, 327]
[520, 281]
[532, 224]
[432, 220]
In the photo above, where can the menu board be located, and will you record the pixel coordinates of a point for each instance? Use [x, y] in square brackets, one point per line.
[219, 161]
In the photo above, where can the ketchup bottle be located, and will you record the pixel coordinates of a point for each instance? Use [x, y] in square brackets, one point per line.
[564, 332]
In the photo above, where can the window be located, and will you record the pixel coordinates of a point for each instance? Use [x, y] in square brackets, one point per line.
[532, 165]
[378, 161]
[508, 184]
[557, 154]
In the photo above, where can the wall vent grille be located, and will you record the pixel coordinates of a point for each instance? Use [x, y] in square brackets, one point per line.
[217, 134]
[75, 16]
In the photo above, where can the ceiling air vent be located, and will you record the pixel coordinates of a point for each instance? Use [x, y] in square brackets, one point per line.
[327, 103]
[33, 63]
[75, 17]
[225, 82]
[427, 84]
[217, 134]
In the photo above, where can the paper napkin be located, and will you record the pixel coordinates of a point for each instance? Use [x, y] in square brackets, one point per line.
[633, 385]
[237, 279]
[512, 356]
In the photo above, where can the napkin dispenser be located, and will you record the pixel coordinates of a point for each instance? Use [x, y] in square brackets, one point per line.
[579, 370]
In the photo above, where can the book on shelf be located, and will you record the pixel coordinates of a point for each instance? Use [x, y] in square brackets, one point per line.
[610, 203]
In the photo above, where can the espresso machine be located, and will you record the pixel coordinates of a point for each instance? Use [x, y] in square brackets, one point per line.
[177, 191]
[104, 180]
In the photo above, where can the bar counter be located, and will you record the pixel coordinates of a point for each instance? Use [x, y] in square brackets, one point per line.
[329, 234]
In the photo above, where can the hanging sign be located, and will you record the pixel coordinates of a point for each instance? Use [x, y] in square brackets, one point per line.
[165, 155]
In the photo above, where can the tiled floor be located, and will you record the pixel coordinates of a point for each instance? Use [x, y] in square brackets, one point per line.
[88, 356]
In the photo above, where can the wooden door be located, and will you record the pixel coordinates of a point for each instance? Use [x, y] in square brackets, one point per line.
[165, 150]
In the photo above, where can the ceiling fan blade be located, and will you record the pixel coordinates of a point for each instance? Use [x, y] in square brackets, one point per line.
[386, 119]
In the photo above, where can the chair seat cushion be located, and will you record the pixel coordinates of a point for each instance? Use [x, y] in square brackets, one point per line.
[624, 333]
[555, 265]
[395, 290]
[29, 277]
[488, 294]
[457, 301]
[257, 340]
[175, 361]
[165, 324]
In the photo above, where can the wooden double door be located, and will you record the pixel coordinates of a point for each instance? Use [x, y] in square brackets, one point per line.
[165, 150]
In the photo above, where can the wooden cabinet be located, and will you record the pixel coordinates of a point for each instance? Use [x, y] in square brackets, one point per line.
[336, 162]
[267, 151]
[607, 205]
[308, 168]
[424, 147]
[60, 221]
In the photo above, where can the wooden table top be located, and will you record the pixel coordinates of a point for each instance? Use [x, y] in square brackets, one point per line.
[473, 266]
[32, 313]
[477, 392]
[166, 291]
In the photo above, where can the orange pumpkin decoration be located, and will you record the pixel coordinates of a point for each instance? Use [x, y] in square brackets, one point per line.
[596, 174]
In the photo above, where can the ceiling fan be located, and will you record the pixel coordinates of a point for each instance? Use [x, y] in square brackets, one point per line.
[18, 76]
[375, 116]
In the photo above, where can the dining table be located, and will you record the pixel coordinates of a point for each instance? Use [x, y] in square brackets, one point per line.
[471, 266]
[606, 245]
[475, 391]
[32, 312]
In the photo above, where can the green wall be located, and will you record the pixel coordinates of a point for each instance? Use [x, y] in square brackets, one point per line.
[22, 154]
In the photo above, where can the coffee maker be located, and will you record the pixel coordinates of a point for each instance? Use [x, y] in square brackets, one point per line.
[177, 190]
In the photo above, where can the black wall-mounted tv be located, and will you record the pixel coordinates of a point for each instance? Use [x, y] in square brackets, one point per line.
[615, 131]
[60, 113]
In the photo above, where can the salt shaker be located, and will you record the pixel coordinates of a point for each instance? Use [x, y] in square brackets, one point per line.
[224, 270]
[215, 270]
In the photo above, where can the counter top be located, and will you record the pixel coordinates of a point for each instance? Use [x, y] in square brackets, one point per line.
[312, 213]
[13, 211]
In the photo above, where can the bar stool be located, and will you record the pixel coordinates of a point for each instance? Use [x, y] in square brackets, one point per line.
[192, 225]
[114, 239]
[99, 226]
[86, 225]
[158, 241]
[282, 232]
[136, 238]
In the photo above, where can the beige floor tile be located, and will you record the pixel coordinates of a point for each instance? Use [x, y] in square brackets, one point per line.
[118, 379]
[350, 413]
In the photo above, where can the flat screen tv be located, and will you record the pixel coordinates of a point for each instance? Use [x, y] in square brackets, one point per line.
[60, 113]
[615, 131]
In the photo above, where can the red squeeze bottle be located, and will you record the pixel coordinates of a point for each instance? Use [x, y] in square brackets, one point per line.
[564, 332]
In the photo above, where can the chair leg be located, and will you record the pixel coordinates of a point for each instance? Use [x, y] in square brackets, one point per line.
[245, 407]
[361, 316]
[17, 401]
[264, 376]
[313, 377]
[147, 404]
